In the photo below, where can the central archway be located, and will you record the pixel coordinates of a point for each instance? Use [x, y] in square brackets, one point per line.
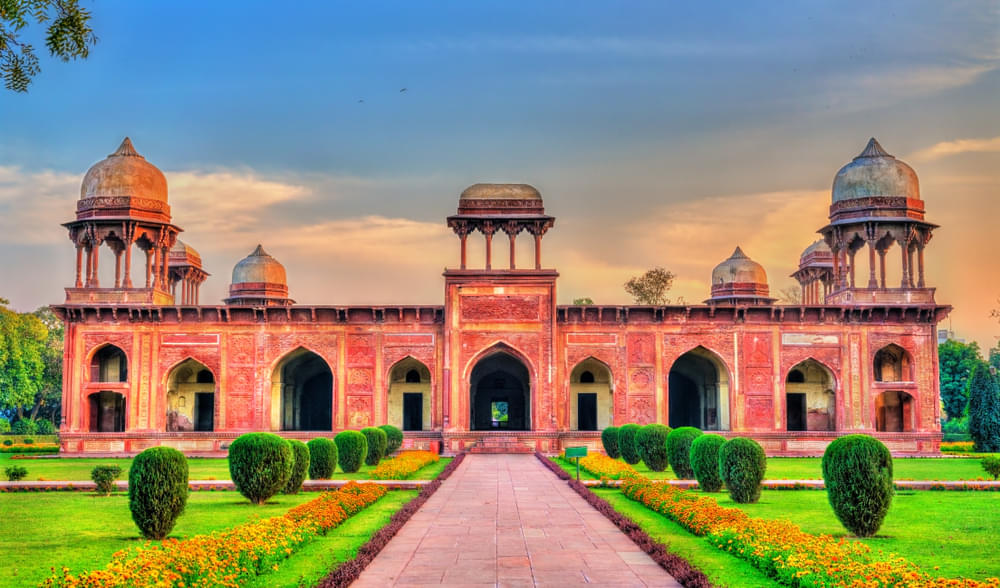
[500, 394]
[698, 389]
[302, 393]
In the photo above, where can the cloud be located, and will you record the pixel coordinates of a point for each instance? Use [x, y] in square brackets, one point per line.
[32, 204]
[956, 147]
[855, 92]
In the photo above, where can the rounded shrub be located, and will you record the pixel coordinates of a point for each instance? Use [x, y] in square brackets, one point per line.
[4, 425]
[104, 476]
[45, 427]
[352, 448]
[322, 458]
[157, 490]
[24, 427]
[260, 465]
[704, 458]
[857, 471]
[626, 443]
[16, 473]
[679, 451]
[7, 442]
[651, 443]
[377, 442]
[742, 464]
[300, 466]
[394, 438]
[28, 441]
[609, 438]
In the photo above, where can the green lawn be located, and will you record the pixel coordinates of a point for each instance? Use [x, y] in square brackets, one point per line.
[199, 468]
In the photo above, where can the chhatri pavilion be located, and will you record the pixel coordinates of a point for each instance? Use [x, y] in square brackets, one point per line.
[498, 366]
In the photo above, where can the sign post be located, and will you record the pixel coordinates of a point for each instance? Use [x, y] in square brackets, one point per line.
[577, 452]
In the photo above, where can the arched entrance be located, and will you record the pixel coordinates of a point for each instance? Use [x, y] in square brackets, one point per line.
[894, 412]
[410, 395]
[302, 393]
[810, 400]
[109, 364]
[698, 389]
[591, 403]
[500, 394]
[892, 364]
[190, 397]
[107, 412]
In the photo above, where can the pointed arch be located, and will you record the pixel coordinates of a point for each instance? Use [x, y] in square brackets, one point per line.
[810, 397]
[591, 395]
[108, 363]
[698, 390]
[302, 392]
[409, 394]
[892, 363]
[190, 396]
[500, 380]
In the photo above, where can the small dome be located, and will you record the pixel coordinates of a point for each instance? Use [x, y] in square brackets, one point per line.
[500, 192]
[182, 253]
[875, 173]
[124, 173]
[819, 247]
[738, 269]
[259, 268]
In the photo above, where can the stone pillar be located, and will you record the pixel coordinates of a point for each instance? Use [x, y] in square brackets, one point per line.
[538, 251]
[920, 266]
[909, 261]
[905, 247]
[488, 229]
[79, 266]
[852, 253]
[513, 251]
[872, 282]
[149, 253]
[836, 267]
[881, 270]
[96, 282]
[462, 238]
[127, 282]
[118, 268]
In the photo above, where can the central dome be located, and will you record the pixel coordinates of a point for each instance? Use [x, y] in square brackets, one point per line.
[738, 269]
[875, 173]
[124, 173]
[500, 192]
[259, 268]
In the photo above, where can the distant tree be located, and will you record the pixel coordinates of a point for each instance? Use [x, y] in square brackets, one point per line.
[67, 36]
[23, 341]
[984, 409]
[790, 295]
[956, 361]
[994, 359]
[651, 287]
[583, 301]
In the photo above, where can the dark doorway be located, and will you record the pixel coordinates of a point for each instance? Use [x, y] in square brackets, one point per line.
[107, 412]
[796, 411]
[499, 381]
[204, 411]
[694, 392]
[109, 365]
[413, 411]
[586, 411]
[307, 394]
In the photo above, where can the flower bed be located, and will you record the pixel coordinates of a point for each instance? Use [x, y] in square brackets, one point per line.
[957, 447]
[32, 448]
[226, 558]
[779, 548]
[603, 466]
[403, 465]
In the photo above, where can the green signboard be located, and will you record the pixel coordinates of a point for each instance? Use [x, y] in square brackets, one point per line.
[576, 451]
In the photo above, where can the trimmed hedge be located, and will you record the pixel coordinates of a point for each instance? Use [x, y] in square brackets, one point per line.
[609, 438]
[157, 490]
[352, 448]
[651, 443]
[322, 458]
[260, 465]
[394, 438]
[704, 458]
[377, 442]
[742, 464]
[626, 443]
[857, 471]
[104, 476]
[24, 427]
[679, 451]
[301, 457]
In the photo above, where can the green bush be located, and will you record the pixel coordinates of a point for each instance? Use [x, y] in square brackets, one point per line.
[394, 439]
[704, 459]
[626, 443]
[157, 490]
[104, 476]
[991, 464]
[4, 425]
[679, 451]
[15, 473]
[984, 409]
[352, 448]
[25, 427]
[377, 442]
[301, 457]
[742, 464]
[651, 442]
[45, 427]
[28, 441]
[322, 458]
[260, 465]
[7, 442]
[857, 472]
[609, 438]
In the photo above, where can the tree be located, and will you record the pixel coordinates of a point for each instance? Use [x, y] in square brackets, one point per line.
[23, 341]
[956, 361]
[651, 287]
[583, 301]
[984, 409]
[994, 359]
[67, 36]
[790, 295]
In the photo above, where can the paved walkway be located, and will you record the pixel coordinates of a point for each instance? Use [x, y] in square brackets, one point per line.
[504, 520]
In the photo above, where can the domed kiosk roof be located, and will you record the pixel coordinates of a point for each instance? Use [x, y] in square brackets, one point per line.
[501, 200]
[875, 173]
[500, 192]
[124, 173]
[259, 280]
[740, 279]
[183, 254]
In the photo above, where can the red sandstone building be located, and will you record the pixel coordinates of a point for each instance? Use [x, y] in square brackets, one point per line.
[499, 366]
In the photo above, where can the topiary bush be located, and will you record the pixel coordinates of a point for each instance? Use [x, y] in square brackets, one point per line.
[742, 464]
[857, 471]
[991, 464]
[377, 442]
[260, 465]
[609, 438]
[679, 451]
[15, 473]
[704, 458]
[394, 438]
[45, 427]
[651, 443]
[301, 457]
[352, 448]
[104, 476]
[322, 458]
[157, 490]
[24, 427]
[626, 443]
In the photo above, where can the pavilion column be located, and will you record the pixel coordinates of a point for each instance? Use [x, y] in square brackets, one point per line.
[127, 282]
[920, 267]
[79, 266]
[852, 254]
[462, 237]
[149, 254]
[156, 267]
[488, 229]
[118, 268]
[836, 267]
[164, 260]
[872, 282]
[803, 294]
[96, 282]
[909, 259]
[881, 267]
[538, 251]
[905, 282]
[513, 251]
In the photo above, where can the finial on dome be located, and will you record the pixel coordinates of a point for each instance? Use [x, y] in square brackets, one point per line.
[738, 254]
[259, 251]
[126, 149]
[873, 149]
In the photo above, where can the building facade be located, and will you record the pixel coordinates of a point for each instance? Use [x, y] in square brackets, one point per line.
[499, 366]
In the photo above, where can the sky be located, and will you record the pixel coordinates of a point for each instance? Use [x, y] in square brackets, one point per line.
[659, 134]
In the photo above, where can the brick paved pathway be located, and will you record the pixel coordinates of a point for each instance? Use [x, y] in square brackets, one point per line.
[504, 520]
